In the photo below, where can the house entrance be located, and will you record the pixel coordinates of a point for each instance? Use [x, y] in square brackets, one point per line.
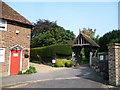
[15, 60]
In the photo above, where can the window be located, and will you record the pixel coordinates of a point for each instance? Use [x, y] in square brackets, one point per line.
[2, 54]
[3, 25]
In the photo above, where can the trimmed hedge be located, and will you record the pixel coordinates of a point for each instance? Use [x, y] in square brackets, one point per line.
[46, 54]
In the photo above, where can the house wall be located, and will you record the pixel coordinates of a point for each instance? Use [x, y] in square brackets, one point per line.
[9, 39]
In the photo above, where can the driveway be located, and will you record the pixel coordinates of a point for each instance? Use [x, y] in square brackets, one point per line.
[79, 77]
[41, 68]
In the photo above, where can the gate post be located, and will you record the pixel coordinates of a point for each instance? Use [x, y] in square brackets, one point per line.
[114, 63]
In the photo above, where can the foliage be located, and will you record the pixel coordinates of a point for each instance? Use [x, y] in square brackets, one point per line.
[83, 58]
[29, 71]
[68, 63]
[85, 62]
[26, 55]
[63, 63]
[47, 33]
[42, 26]
[110, 37]
[20, 72]
[60, 63]
[69, 58]
[46, 54]
[90, 32]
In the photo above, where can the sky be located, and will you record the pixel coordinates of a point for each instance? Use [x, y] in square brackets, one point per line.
[102, 16]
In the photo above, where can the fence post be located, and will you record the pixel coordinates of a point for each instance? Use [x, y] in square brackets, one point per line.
[114, 64]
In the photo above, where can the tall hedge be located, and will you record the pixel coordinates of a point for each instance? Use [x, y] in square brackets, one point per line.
[46, 54]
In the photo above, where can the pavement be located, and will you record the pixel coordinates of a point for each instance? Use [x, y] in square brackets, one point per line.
[83, 74]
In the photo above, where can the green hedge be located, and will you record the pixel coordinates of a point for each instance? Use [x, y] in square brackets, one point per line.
[46, 54]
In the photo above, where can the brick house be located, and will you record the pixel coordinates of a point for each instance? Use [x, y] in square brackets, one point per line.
[15, 31]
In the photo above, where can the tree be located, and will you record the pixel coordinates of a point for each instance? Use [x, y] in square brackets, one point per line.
[91, 32]
[110, 37]
[42, 26]
[48, 33]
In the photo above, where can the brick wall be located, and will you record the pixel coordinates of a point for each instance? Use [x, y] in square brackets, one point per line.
[9, 39]
[114, 64]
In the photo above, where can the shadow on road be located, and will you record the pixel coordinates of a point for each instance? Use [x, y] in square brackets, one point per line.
[87, 73]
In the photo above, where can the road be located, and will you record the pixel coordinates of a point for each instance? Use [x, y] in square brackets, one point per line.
[78, 77]
[62, 83]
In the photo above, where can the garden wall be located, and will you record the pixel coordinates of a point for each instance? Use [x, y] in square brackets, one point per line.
[112, 65]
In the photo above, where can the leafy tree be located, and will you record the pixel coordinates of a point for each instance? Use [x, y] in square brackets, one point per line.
[91, 32]
[110, 37]
[41, 26]
[49, 33]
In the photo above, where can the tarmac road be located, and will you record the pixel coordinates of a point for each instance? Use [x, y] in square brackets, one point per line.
[77, 77]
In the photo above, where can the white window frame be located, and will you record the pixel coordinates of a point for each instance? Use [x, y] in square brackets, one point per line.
[3, 54]
[3, 25]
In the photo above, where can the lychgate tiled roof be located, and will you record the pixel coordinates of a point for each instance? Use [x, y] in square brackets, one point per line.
[10, 14]
[93, 43]
[87, 39]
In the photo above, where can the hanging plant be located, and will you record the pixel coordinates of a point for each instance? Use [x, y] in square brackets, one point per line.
[26, 55]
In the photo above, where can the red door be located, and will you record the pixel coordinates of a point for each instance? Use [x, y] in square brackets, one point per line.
[15, 62]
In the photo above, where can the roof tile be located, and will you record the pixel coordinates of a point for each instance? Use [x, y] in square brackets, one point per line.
[10, 14]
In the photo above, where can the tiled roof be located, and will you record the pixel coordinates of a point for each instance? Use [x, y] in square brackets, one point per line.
[88, 39]
[93, 43]
[10, 14]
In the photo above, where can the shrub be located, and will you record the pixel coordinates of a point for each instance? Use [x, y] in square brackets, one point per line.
[84, 58]
[63, 63]
[68, 63]
[29, 71]
[69, 58]
[20, 72]
[32, 69]
[59, 63]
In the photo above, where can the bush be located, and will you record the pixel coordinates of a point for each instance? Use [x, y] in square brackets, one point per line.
[20, 72]
[63, 63]
[46, 54]
[29, 71]
[59, 63]
[68, 63]
[84, 58]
